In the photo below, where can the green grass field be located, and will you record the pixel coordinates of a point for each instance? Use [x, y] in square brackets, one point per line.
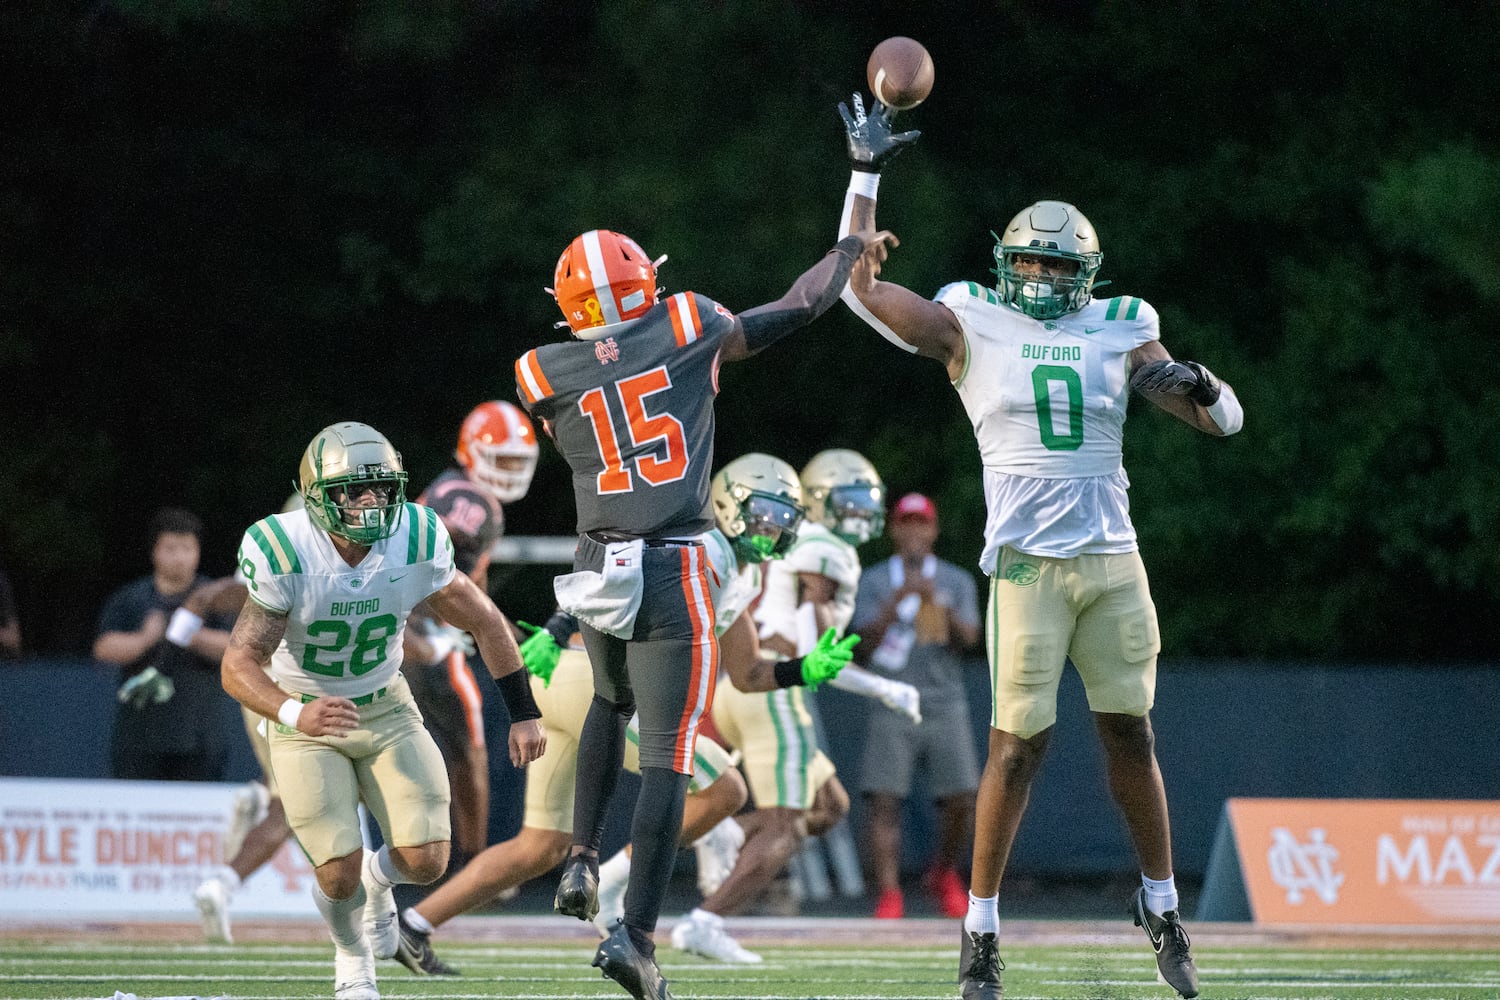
[1041, 966]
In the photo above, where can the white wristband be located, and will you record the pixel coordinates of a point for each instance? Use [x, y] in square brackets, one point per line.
[183, 626]
[289, 712]
[864, 183]
[1226, 411]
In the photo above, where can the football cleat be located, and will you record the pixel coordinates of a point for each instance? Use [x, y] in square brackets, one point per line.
[619, 959]
[703, 933]
[948, 892]
[979, 967]
[578, 889]
[415, 952]
[891, 905]
[212, 898]
[380, 913]
[354, 974]
[611, 902]
[717, 851]
[1174, 953]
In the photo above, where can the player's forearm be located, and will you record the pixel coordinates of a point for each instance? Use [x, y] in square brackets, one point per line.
[123, 647]
[244, 679]
[809, 297]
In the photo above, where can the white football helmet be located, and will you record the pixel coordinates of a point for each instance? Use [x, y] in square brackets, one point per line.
[758, 503]
[1052, 229]
[845, 494]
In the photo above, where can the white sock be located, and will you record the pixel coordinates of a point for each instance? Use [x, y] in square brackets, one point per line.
[228, 876]
[382, 870]
[1161, 894]
[416, 921]
[344, 917]
[983, 916]
[615, 870]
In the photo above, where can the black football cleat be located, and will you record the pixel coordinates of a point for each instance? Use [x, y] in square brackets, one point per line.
[979, 967]
[619, 959]
[415, 952]
[1174, 953]
[578, 889]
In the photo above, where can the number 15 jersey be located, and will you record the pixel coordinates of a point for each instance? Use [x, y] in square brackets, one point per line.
[1047, 400]
[344, 623]
[633, 415]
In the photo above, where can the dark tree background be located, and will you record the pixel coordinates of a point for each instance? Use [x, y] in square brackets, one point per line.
[226, 224]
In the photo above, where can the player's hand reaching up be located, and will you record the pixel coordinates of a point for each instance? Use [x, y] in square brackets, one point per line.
[328, 716]
[528, 741]
[871, 143]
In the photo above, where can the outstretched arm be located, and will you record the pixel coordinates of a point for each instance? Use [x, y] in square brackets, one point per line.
[899, 315]
[810, 296]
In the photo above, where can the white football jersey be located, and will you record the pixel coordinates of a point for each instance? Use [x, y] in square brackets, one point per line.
[1047, 400]
[731, 587]
[816, 550]
[344, 623]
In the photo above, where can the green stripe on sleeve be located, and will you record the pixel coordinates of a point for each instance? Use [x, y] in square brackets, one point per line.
[1135, 307]
[286, 543]
[270, 550]
[1114, 308]
[432, 532]
[411, 539]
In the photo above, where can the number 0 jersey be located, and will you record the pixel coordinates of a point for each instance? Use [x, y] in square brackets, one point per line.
[344, 623]
[1047, 400]
[633, 415]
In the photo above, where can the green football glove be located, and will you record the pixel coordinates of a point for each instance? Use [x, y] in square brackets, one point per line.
[827, 658]
[540, 652]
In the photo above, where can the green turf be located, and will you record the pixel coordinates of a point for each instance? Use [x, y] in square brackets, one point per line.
[554, 972]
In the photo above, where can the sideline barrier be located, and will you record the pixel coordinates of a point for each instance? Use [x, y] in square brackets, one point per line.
[85, 849]
[1355, 861]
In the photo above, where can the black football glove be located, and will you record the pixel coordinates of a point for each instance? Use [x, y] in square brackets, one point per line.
[871, 143]
[1177, 378]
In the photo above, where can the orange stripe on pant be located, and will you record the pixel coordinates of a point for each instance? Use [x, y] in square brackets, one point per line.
[462, 680]
[700, 694]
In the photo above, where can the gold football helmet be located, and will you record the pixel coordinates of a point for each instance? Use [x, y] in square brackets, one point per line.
[342, 464]
[1048, 229]
[758, 503]
[845, 494]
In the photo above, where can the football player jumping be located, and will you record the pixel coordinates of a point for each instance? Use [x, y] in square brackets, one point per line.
[330, 590]
[1044, 370]
[629, 402]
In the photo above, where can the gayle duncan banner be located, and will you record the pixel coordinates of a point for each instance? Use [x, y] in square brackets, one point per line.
[129, 849]
[1356, 861]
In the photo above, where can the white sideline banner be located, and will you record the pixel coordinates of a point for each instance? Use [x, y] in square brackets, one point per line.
[134, 849]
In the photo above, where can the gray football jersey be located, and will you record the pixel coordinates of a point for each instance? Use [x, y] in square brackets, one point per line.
[633, 415]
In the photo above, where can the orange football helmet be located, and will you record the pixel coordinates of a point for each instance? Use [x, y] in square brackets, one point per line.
[497, 449]
[603, 279]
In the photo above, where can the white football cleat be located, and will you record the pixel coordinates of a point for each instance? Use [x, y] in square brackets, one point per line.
[212, 898]
[380, 913]
[717, 851]
[354, 974]
[702, 933]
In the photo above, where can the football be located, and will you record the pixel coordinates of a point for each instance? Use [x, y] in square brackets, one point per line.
[900, 73]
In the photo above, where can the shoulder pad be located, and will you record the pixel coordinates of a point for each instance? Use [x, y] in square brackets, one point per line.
[274, 543]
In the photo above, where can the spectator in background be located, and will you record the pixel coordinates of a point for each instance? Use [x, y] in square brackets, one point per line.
[170, 723]
[10, 625]
[918, 614]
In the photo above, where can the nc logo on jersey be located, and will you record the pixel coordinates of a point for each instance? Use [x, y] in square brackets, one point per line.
[1301, 868]
[1022, 574]
[607, 350]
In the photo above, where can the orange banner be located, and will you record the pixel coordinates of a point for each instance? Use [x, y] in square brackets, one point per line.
[1357, 861]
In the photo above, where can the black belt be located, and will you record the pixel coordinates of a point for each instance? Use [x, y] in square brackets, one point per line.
[611, 537]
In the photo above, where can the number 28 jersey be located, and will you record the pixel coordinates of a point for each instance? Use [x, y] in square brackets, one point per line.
[1047, 400]
[633, 416]
[344, 623]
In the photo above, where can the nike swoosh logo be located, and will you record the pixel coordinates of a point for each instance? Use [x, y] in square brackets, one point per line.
[395, 578]
[1090, 330]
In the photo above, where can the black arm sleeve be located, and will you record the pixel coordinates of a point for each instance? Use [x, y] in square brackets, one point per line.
[810, 297]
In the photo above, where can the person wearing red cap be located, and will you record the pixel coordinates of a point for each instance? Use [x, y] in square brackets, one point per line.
[918, 614]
